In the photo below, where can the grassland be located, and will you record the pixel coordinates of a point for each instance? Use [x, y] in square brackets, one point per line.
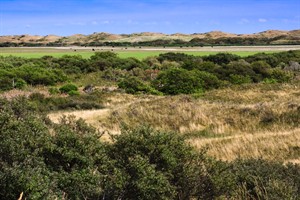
[131, 52]
[251, 121]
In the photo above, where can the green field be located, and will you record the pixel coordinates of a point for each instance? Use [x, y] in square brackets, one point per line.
[86, 53]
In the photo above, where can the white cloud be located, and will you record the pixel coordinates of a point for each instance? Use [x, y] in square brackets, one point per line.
[262, 20]
[28, 26]
[94, 22]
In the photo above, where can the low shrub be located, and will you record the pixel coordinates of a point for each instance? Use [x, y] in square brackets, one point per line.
[133, 85]
[73, 93]
[67, 88]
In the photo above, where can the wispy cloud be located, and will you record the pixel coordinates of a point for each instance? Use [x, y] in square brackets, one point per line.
[262, 20]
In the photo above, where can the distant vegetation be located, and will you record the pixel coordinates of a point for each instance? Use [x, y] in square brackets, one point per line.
[169, 73]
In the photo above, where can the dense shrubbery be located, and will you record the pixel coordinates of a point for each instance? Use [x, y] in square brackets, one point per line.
[133, 85]
[68, 161]
[178, 81]
[17, 72]
[68, 88]
[217, 70]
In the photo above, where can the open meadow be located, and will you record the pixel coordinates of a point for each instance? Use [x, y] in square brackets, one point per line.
[140, 53]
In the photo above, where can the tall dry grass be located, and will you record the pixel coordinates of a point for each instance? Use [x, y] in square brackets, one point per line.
[221, 112]
[254, 120]
[245, 121]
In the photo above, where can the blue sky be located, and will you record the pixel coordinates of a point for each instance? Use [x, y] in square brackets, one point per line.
[67, 17]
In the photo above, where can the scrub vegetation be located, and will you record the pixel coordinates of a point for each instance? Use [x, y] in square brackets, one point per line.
[170, 126]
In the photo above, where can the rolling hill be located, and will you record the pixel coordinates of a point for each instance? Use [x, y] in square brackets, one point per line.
[268, 37]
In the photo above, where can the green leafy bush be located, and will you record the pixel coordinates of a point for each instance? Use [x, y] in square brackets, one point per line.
[53, 90]
[68, 88]
[210, 81]
[133, 85]
[159, 165]
[178, 81]
[239, 79]
[281, 76]
[73, 93]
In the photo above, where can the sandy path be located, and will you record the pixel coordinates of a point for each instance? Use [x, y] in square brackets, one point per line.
[88, 115]
[96, 117]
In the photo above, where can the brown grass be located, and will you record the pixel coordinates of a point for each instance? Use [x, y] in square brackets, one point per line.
[18, 93]
[249, 121]
[280, 145]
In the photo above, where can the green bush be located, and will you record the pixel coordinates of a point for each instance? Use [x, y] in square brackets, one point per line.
[210, 81]
[68, 88]
[221, 58]
[53, 90]
[281, 76]
[270, 81]
[262, 68]
[133, 85]
[159, 165]
[73, 93]
[20, 83]
[178, 81]
[239, 79]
